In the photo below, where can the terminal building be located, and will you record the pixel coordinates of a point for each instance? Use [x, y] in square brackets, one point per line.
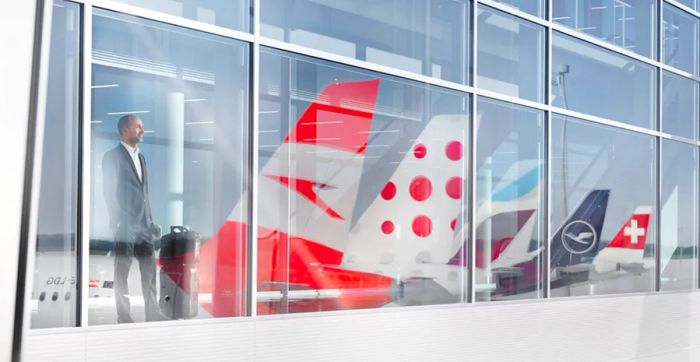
[351, 180]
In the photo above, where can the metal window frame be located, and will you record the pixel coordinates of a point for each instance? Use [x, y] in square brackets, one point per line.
[256, 40]
[28, 228]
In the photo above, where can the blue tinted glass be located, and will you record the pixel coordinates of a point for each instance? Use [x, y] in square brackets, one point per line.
[234, 14]
[679, 216]
[689, 3]
[680, 39]
[680, 105]
[510, 53]
[414, 35]
[534, 7]
[509, 217]
[589, 79]
[602, 209]
[628, 24]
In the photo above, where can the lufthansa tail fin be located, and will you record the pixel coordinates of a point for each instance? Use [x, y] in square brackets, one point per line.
[579, 234]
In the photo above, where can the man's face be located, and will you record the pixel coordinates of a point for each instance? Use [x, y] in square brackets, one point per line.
[133, 133]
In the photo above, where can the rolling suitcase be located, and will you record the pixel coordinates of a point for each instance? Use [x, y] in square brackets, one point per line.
[179, 254]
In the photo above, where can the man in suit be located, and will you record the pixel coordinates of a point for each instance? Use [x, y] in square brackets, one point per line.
[125, 178]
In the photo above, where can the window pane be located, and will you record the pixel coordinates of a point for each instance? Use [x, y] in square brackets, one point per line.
[679, 216]
[627, 24]
[510, 53]
[361, 190]
[233, 14]
[680, 110]
[534, 7]
[688, 3]
[509, 220]
[54, 291]
[680, 39]
[190, 91]
[590, 79]
[414, 35]
[602, 214]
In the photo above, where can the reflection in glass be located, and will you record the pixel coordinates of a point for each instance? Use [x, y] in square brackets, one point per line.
[424, 37]
[679, 216]
[533, 7]
[510, 55]
[509, 212]
[593, 80]
[602, 209]
[362, 185]
[689, 3]
[680, 35]
[190, 91]
[680, 105]
[54, 297]
[233, 14]
[627, 24]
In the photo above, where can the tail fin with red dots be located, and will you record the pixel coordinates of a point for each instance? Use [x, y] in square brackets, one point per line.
[413, 221]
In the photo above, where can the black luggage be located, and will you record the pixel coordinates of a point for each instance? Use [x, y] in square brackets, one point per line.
[179, 254]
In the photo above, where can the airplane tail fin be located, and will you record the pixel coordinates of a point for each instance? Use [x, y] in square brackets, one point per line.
[314, 176]
[627, 246]
[579, 234]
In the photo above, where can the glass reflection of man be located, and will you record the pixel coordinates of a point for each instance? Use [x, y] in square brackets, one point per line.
[126, 193]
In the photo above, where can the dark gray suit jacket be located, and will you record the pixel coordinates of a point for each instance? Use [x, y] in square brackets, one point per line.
[127, 196]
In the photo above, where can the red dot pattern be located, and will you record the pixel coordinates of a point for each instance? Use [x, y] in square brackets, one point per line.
[420, 150]
[453, 150]
[387, 227]
[389, 191]
[422, 226]
[453, 224]
[453, 187]
[420, 188]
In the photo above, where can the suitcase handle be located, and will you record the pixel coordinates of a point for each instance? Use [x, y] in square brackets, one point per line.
[178, 229]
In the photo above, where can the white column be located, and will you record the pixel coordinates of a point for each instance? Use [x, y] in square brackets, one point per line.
[175, 158]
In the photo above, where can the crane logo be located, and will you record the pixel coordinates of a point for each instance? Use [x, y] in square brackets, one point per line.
[579, 237]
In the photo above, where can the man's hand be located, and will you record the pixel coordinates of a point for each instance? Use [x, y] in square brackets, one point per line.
[155, 230]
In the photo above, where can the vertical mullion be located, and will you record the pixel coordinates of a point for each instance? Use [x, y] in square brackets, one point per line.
[546, 277]
[658, 143]
[253, 171]
[31, 172]
[85, 171]
[471, 246]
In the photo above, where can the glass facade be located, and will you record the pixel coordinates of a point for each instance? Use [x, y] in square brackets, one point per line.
[604, 238]
[54, 293]
[424, 37]
[626, 24]
[680, 31]
[510, 55]
[349, 155]
[190, 91]
[589, 79]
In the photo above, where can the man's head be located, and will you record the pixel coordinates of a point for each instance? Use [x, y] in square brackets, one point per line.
[130, 129]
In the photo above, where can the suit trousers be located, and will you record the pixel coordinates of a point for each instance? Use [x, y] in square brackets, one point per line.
[124, 253]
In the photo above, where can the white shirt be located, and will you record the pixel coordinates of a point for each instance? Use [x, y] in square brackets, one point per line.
[134, 153]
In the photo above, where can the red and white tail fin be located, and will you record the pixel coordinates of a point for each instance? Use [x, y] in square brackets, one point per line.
[306, 194]
[628, 244]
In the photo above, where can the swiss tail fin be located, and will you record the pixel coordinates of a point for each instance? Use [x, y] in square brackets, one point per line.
[633, 234]
[627, 247]
[579, 234]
